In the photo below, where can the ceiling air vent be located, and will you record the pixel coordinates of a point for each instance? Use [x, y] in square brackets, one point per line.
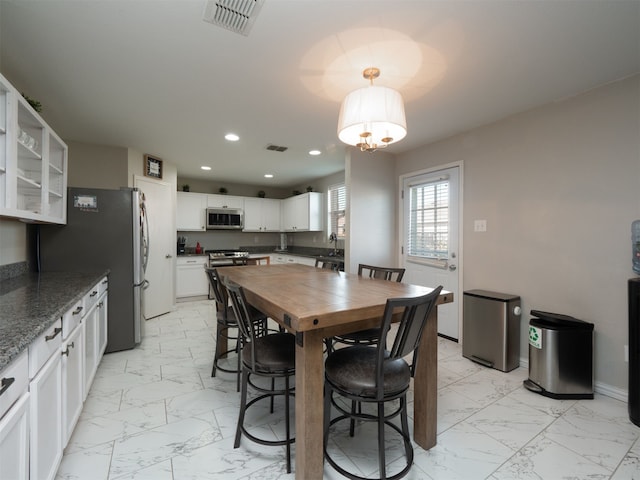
[276, 148]
[235, 15]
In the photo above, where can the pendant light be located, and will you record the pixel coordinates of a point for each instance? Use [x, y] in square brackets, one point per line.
[372, 117]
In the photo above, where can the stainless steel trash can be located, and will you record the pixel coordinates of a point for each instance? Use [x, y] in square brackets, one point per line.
[560, 356]
[491, 329]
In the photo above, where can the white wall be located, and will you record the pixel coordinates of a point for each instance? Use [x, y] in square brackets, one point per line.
[559, 187]
[371, 208]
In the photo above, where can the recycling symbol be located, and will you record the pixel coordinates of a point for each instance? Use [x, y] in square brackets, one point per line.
[535, 337]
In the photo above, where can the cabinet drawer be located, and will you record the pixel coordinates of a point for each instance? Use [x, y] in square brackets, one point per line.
[71, 318]
[44, 346]
[91, 298]
[15, 379]
[103, 286]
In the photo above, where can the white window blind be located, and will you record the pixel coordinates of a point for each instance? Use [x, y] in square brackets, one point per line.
[337, 206]
[429, 220]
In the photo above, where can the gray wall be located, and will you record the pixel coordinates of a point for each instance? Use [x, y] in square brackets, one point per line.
[371, 209]
[96, 166]
[559, 187]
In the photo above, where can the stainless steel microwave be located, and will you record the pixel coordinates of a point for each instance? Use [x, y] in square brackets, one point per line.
[224, 219]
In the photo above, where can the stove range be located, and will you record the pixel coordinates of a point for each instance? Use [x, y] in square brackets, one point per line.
[222, 258]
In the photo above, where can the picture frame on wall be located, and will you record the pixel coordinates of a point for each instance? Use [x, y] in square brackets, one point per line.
[152, 167]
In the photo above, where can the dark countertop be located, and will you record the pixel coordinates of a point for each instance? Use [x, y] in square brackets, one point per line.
[31, 303]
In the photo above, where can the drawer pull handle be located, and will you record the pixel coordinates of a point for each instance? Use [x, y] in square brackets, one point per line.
[66, 352]
[94, 293]
[6, 383]
[101, 304]
[77, 311]
[55, 333]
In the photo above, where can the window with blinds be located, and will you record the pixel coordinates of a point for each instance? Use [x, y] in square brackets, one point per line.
[337, 206]
[429, 220]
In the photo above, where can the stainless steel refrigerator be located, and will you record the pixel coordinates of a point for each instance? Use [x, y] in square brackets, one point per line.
[106, 229]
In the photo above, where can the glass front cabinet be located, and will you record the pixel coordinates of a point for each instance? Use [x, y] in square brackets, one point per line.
[33, 162]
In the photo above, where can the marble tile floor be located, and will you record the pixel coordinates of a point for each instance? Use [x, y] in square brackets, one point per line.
[155, 413]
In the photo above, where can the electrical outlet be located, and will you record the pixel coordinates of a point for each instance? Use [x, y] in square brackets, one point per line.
[480, 226]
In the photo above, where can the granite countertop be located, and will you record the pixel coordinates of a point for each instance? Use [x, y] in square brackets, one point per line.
[31, 303]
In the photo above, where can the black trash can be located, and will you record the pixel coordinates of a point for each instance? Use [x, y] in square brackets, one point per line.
[560, 356]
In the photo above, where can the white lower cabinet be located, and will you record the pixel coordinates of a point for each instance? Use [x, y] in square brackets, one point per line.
[284, 259]
[72, 381]
[14, 420]
[191, 279]
[45, 429]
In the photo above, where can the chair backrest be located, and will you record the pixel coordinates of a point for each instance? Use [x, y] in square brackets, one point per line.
[414, 313]
[384, 273]
[248, 329]
[219, 292]
[327, 264]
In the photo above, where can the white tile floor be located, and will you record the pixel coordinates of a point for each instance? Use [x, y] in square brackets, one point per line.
[155, 413]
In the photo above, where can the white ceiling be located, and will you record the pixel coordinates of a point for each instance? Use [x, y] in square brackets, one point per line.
[152, 75]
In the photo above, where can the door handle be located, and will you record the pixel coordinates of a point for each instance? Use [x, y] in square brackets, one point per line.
[168, 255]
[452, 267]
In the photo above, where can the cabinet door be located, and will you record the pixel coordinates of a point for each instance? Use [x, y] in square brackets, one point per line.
[90, 324]
[45, 429]
[261, 215]
[191, 279]
[72, 382]
[14, 441]
[225, 201]
[303, 212]
[102, 324]
[190, 211]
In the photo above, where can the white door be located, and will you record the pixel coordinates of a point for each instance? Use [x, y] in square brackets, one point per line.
[430, 238]
[158, 296]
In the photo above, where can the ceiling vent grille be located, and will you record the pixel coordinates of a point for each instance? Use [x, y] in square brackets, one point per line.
[235, 15]
[276, 148]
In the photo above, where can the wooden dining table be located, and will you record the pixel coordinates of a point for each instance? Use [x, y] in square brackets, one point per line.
[314, 304]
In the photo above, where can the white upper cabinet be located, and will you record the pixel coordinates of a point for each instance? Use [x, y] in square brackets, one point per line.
[261, 215]
[224, 201]
[190, 211]
[302, 213]
[33, 162]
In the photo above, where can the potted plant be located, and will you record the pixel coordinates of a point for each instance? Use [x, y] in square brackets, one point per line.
[223, 190]
[261, 194]
[309, 188]
[185, 187]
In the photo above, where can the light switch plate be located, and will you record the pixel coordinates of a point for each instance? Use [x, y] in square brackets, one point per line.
[480, 226]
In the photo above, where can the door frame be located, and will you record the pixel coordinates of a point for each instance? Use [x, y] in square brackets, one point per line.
[401, 225]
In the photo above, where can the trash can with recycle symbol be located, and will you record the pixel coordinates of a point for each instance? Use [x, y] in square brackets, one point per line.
[560, 356]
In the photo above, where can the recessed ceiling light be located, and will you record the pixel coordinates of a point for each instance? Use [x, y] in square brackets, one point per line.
[204, 167]
[232, 137]
[315, 152]
[268, 175]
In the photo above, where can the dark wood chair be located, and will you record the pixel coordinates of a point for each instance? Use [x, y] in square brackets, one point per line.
[226, 322]
[369, 336]
[264, 354]
[365, 374]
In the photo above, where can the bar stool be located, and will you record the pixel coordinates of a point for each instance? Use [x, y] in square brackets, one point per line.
[374, 375]
[226, 321]
[270, 355]
[370, 335]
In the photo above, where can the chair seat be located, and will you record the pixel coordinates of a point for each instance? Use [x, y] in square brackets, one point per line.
[274, 353]
[353, 370]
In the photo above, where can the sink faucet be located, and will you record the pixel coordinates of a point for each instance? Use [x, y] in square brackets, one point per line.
[334, 238]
